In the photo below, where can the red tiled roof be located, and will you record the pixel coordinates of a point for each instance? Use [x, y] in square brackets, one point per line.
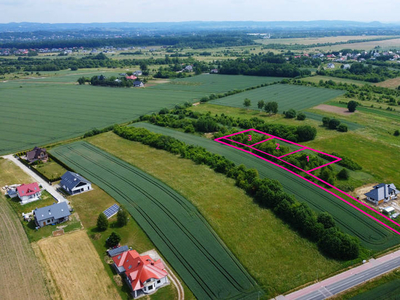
[28, 189]
[131, 77]
[138, 268]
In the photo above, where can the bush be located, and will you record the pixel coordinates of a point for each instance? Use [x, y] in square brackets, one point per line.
[306, 133]
[290, 114]
[333, 123]
[326, 220]
[325, 121]
[342, 128]
[343, 174]
[301, 116]
[102, 222]
[396, 133]
[352, 105]
[113, 240]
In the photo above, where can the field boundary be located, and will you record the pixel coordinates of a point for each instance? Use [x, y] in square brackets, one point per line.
[219, 140]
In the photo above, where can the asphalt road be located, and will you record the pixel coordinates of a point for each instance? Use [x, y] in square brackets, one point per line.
[346, 280]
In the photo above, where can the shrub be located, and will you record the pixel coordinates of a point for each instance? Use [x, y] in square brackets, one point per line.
[102, 222]
[352, 105]
[290, 114]
[333, 123]
[396, 133]
[122, 217]
[343, 174]
[325, 121]
[326, 220]
[301, 116]
[342, 128]
[306, 133]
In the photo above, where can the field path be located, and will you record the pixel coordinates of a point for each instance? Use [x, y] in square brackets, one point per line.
[20, 273]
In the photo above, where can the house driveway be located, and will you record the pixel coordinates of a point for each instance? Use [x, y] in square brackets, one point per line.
[52, 191]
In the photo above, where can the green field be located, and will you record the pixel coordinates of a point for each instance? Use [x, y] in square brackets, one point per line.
[174, 225]
[42, 114]
[214, 83]
[287, 97]
[372, 235]
[387, 291]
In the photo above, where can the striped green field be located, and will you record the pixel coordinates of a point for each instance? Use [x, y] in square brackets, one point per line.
[46, 113]
[387, 291]
[174, 225]
[371, 234]
[213, 83]
[287, 97]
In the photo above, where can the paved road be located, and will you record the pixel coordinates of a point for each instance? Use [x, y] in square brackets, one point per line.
[44, 184]
[348, 279]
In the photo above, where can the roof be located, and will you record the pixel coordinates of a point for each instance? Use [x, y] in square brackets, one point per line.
[132, 77]
[119, 250]
[28, 189]
[57, 210]
[382, 191]
[137, 82]
[139, 269]
[389, 209]
[34, 154]
[71, 180]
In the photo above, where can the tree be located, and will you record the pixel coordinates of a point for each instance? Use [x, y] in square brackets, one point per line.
[326, 219]
[333, 123]
[122, 217]
[325, 121]
[301, 116]
[326, 175]
[81, 80]
[343, 174]
[260, 104]
[351, 105]
[113, 240]
[102, 222]
[290, 114]
[342, 127]
[271, 107]
[396, 133]
[306, 133]
[247, 102]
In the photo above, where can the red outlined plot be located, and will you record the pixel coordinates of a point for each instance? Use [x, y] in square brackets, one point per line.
[226, 141]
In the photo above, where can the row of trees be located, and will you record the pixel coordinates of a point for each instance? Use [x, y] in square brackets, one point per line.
[266, 192]
[334, 124]
[269, 107]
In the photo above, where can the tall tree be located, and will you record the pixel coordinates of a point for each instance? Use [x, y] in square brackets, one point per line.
[247, 102]
[260, 104]
[122, 217]
[352, 105]
[102, 222]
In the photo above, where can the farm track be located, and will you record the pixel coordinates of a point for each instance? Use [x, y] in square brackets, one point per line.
[20, 275]
[372, 235]
[218, 266]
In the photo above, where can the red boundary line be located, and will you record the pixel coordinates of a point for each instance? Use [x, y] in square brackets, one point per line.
[328, 184]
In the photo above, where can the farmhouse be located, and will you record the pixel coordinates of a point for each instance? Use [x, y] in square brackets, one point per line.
[331, 66]
[142, 274]
[382, 193]
[138, 83]
[29, 192]
[52, 214]
[37, 154]
[74, 183]
[132, 77]
[188, 68]
[137, 73]
[214, 71]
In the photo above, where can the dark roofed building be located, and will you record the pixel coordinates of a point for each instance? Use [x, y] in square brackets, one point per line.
[74, 183]
[37, 154]
[138, 83]
[382, 193]
[52, 214]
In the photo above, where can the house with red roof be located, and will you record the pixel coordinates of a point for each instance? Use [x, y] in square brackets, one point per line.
[29, 192]
[142, 274]
[132, 77]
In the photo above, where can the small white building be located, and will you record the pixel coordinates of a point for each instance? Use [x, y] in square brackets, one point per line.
[331, 66]
[74, 183]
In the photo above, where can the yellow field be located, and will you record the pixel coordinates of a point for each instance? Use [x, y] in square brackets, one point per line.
[393, 83]
[76, 267]
[364, 46]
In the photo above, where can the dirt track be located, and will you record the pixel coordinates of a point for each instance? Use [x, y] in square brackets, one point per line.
[20, 276]
[333, 109]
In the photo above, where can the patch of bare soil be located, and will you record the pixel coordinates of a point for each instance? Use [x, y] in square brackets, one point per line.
[333, 109]
[360, 191]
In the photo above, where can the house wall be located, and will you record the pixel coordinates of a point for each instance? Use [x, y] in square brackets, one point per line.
[35, 196]
[81, 189]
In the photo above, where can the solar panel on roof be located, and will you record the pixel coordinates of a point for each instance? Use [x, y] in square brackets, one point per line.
[112, 210]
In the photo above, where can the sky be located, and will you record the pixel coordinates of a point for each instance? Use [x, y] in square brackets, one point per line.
[87, 11]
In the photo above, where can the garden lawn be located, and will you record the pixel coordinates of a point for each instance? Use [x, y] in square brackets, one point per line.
[175, 226]
[287, 97]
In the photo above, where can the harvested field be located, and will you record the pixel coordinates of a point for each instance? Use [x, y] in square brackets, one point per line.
[334, 109]
[20, 272]
[175, 226]
[76, 267]
[393, 83]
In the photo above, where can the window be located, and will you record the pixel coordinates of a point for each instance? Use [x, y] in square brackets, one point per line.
[158, 281]
[150, 287]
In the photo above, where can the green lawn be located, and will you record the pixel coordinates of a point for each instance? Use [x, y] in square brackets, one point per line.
[372, 235]
[264, 252]
[173, 224]
[317, 78]
[287, 97]
[50, 169]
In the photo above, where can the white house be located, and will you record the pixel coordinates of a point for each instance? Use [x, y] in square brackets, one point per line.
[382, 193]
[331, 66]
[29, 192]
[346, 66]
[142, 274]
[74, 183]
[137, 73]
